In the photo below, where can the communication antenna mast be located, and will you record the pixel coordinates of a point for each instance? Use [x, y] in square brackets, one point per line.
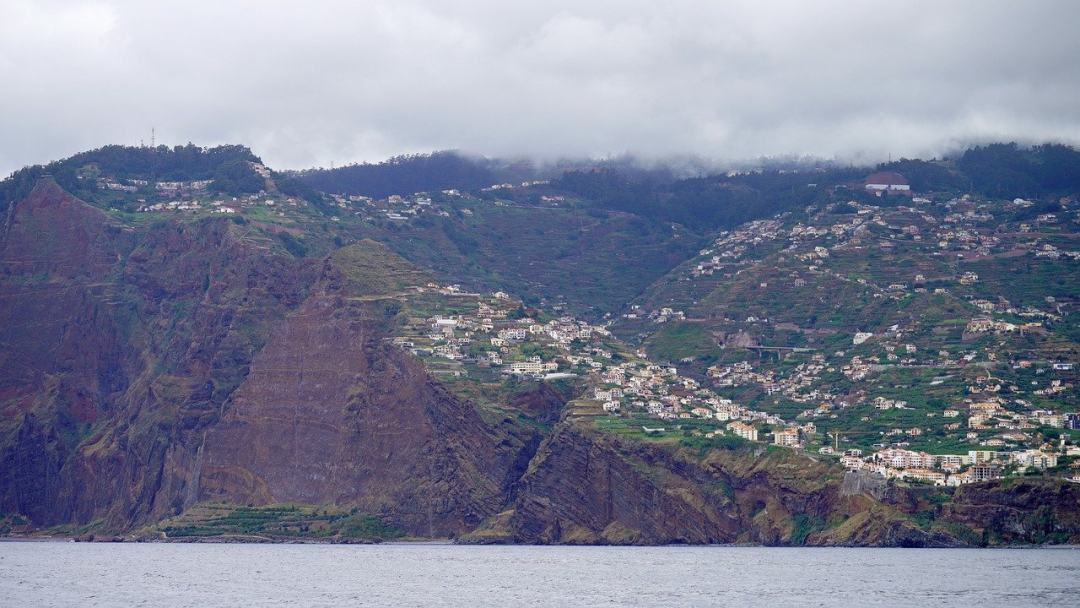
[153, 138]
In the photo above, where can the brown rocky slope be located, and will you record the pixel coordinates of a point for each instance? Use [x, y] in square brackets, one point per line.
[587, 487]
[145, 369]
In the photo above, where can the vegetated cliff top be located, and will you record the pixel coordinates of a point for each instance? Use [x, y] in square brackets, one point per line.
[228, 169]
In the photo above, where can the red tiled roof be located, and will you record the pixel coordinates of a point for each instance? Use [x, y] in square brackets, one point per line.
[889, 178]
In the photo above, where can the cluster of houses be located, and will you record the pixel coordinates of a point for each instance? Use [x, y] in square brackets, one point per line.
[797, 385]
[640, 385]
[509, 186]
[666, 314]
[396, 207]
[730, 247]
[485, 335]
[968, 232]
[227, 206]
[405, 207]
[991, 412]
[958, 230]
[1052, 252]
[628, 383]
[953, 469]
[489, 336]
[196, 195]
[162, 188]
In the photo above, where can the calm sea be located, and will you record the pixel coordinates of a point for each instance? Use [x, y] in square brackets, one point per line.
[167, 575]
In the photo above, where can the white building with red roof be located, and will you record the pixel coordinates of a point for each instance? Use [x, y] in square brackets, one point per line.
[887, 181]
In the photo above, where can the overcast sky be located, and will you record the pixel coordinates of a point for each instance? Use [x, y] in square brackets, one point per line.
[310, 83]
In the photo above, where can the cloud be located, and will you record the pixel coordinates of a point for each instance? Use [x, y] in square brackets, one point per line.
[336, 81]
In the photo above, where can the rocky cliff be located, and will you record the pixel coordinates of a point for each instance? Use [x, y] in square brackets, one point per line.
[332, 414]
[147, 369]
[119, 345]
[585, 487]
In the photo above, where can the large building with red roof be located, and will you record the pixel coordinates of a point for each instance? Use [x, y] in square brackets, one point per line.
[887, 181]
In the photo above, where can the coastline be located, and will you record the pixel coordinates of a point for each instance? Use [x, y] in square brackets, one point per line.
[262, 540]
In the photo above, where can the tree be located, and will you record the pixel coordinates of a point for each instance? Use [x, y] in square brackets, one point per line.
[237, 177]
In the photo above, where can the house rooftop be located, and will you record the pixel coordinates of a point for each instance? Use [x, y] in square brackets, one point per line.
[886, 178]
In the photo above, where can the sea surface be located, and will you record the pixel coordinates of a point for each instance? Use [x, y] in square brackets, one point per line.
[204, 575]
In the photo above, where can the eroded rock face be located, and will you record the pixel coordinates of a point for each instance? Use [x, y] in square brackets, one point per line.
[59, 337]
[35, 454]
[144, 370]
[60, 359]
[582, 488]
[119, 347]
[864, 482]
[53, 233]
[332, 414]
[541, 402]
[1019, 511]
[587, 487]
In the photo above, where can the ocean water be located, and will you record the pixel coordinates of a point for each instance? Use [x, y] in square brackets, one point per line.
[205, 575]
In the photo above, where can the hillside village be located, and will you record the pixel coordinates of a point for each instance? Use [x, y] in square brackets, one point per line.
[973, 379]
[198, 196]
[193, 197]
[489, 336]
[402, 208]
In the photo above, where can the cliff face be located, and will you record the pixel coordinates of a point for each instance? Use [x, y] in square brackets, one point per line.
[55, 336]
[1019, 511]
[333, 414]
[144, 370]
[119, 345]
[586, 487]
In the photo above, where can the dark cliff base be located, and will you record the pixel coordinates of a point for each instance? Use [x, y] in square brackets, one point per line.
[583, 487]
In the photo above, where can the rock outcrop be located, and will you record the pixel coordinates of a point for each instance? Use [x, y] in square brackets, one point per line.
[588, 487]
